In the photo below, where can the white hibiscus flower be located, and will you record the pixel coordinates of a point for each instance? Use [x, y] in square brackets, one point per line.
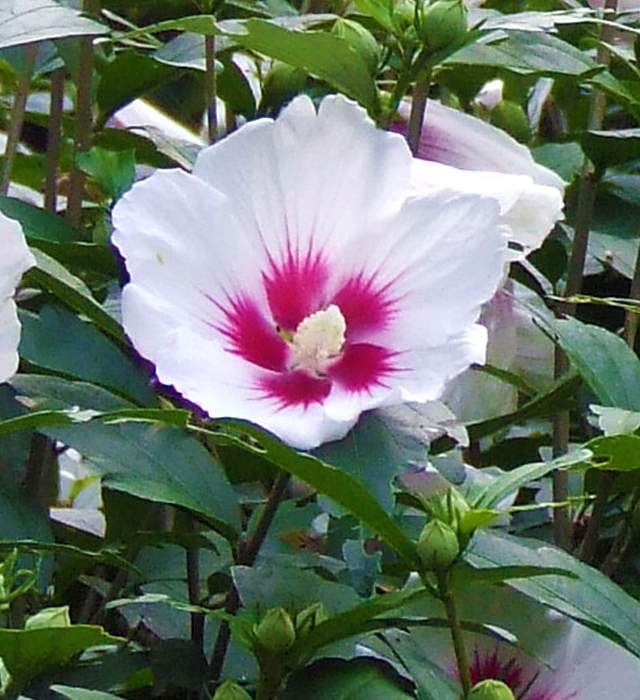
[300, 276]
[14, 261]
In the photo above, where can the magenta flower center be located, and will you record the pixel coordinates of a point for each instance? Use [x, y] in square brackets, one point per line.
[308, 333]
[511, 673]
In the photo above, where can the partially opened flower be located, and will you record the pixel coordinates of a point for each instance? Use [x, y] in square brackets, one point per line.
[530, 195]
[550, 657]
[14, 261]
[297, 277]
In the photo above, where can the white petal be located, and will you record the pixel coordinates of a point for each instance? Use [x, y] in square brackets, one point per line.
[14, 261]
[454, 138]
[447, 254]
[172, 223]
[9, 339]
[310, 177]
[530, 210]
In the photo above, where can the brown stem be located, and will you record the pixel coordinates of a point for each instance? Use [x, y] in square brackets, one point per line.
[193, 585]
[17, 116]
[53, 139]
[623, 538]
[246, 556]
[418, 109]
[560, 478]
[590, 542]
[83, 119]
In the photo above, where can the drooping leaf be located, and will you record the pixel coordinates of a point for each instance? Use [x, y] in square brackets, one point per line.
[334, 483]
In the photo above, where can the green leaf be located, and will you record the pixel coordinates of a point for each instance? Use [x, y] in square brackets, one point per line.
[34, 20]
[463, 576]
[591, 597]
[334, 483]
[560, 396]
[57, 340]
[23, 519]
[43, 419]
[509, 482]
[606, 363]
[613, 421]
[380, 10]
[53, 277]
[432, 682]
[30, 653]
[357, 679]
[38, 223]
[114, 171]
[617, 453]
[373, 454]
[128, 76]
[49, 393]
[322, 54]
[276, 582]
[156, 462]
[525, 53]
[355, 620]
[234, 89]
[611, 147]
[72, 693]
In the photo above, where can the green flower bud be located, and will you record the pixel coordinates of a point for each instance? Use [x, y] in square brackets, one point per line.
[231, 691]
[275, 632]
[281, 83]
[511, 117]
[437, 546]
[308, 618]
[491, 690]
[361, 39]
[443, 23]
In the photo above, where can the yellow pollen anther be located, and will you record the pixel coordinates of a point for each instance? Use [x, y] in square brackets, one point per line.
[318, 340]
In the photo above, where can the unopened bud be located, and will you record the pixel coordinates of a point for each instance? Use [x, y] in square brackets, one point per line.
[361, 39]
[281, 83]
[512, 118]
[276, 632]
[231, 691]
[437, 546]
[491, 689]
[404, 12]
[444, 23]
